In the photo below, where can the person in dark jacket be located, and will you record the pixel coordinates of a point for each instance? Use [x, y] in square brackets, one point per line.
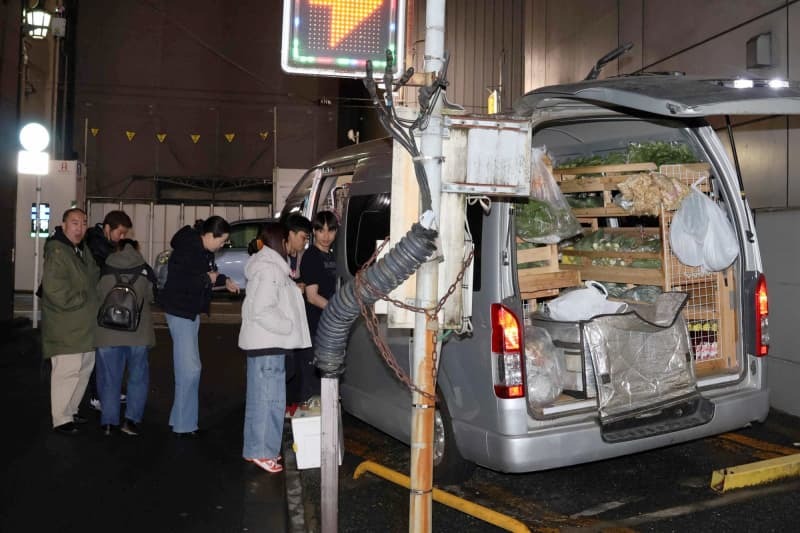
[191, 276]
[103, 237]
[318, 273]
[118, 349]
[102, 240]
[69, 309]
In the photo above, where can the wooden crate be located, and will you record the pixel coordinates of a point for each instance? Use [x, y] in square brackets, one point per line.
[711, 295]
[711, 300]
[546, 279]
[581, 260]
[602, 179]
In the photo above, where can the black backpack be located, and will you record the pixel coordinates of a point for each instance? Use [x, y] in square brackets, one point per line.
[120, 309]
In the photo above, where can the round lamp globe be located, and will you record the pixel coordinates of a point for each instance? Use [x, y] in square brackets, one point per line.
[34, 137]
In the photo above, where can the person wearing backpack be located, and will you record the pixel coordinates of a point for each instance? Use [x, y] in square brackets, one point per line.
[102, 240]
[124, 336]
[273, 323]
[191, 276]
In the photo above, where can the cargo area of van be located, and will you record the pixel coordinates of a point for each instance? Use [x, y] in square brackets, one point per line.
[622, 181]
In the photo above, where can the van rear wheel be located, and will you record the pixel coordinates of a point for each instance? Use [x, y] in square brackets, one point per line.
[449, 466]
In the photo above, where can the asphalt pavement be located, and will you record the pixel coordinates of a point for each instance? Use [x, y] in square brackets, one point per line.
[154, 482]
[157, 483]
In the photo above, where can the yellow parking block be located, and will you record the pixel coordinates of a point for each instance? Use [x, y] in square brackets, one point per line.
[756, 473]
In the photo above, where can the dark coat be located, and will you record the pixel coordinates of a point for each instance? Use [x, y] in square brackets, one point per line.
[125, 259]
[98, 244]
[187, 292]
[69, 297]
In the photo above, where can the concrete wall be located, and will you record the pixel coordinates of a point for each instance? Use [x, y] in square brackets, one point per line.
[562, 41]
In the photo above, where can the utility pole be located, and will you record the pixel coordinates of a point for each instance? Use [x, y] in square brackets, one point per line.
[426, 328]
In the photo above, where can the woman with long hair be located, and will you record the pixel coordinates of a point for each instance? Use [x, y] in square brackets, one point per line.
[191, 276]
[273, 323]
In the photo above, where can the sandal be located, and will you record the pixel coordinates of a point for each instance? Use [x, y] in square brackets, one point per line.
[270, 465]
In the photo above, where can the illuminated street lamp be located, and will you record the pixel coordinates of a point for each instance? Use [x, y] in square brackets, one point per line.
[37, 22]
[32, 159]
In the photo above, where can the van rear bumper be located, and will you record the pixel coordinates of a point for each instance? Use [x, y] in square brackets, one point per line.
[581, 442]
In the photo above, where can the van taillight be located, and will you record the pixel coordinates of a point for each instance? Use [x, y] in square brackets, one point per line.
[762, 317]
[507, 353]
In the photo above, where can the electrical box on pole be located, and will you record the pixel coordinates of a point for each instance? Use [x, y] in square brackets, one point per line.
[482, 156]
[337, 37]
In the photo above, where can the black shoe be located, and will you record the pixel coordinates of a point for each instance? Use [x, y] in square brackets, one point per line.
[66, 429]
[189, 434]
[109, 429]
[78, 419]
[129, 427]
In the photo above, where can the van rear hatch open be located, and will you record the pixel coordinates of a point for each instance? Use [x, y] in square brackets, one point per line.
[656, 101]
[674, 96]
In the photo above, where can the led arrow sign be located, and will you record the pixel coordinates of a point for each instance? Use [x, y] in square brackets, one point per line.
[337, 37]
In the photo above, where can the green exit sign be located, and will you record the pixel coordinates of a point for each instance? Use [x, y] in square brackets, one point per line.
[337, 37]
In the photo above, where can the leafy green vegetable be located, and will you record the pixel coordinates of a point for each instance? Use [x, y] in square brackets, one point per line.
[658, 152]
[540, 222]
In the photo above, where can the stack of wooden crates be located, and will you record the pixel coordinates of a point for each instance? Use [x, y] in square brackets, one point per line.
[709, 312]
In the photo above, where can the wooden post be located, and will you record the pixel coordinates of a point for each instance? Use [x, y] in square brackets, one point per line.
[329, 442]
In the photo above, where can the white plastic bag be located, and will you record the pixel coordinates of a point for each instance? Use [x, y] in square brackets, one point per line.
[701, 234]
[720, 248]
[582, 304]
[686, 244]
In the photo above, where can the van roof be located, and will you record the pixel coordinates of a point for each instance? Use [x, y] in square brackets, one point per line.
[672, 95]
[354, 152]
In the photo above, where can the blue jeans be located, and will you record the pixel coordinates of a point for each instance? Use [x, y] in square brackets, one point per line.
[264, 410]
[111, 362]
[186, 359]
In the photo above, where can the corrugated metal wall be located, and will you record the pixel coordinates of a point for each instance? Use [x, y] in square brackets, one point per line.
[485, 39]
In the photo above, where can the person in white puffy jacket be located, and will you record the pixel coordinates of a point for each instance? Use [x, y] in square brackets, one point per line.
[273, 322]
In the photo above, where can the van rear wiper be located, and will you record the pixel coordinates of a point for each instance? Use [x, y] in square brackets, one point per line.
[611, 56]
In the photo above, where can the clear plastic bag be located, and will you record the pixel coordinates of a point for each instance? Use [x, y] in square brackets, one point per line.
[544, 373]
[547, 217]
[701, 234]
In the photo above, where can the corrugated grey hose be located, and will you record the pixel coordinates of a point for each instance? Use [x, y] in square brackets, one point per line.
[385, 275]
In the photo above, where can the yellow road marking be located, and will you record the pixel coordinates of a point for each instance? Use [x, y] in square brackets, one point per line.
[445, 498]
[758, 444]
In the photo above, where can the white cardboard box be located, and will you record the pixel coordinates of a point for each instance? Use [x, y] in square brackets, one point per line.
[306, 433]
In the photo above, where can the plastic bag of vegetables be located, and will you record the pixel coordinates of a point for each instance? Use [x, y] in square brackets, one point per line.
[544, 373]
[546, 218]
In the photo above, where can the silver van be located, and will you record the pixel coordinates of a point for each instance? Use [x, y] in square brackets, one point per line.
[482, 419]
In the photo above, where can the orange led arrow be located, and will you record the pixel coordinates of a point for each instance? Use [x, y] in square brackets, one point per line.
[346, 15]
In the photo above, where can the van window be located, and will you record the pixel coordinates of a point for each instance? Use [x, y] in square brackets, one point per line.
[367, 222]
[333, 192]
[242, 234]
[475, 223]
[300, 196]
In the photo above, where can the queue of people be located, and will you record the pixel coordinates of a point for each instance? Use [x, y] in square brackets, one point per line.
[96, 296]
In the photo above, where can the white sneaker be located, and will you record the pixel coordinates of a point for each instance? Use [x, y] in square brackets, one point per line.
[94, 403]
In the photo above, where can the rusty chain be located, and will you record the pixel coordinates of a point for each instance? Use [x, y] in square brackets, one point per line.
[371, 319]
